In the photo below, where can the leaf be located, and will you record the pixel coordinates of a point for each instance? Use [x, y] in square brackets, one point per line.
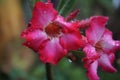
[107, 4]
[28, 6]
[61, 3]
[65, 6]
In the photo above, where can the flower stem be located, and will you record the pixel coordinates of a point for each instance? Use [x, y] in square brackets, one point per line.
[48, 72]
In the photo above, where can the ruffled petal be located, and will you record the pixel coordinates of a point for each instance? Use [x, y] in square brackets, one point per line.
[72, 41]
[92, 71]
[34, 38]
[96, 28]
[107, 43]
[43, 14]
[91, 55]
[52, 51]
[105, 63]
[72, 25]
[84, 23]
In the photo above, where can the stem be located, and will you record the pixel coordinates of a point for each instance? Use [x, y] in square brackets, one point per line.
[48, 72]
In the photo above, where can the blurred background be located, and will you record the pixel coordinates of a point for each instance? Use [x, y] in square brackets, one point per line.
[21, 63]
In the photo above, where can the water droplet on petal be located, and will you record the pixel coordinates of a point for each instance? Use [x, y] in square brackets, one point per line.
[44, 12]
[28, 43]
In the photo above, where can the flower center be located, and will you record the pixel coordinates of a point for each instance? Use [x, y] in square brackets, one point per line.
[98, 45]
[53, 30]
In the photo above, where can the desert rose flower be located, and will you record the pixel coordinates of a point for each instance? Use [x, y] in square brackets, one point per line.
[50, 34]
[100, 48]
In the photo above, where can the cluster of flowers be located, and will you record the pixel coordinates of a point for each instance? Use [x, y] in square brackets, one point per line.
[52, 36]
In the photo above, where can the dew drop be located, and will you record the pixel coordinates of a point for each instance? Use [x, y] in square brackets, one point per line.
[23, 35]
[69, 60]
[44, 12]
[28, 43]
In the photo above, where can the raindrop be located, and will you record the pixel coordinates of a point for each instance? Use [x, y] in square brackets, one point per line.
[44, 12]
[69, 60]
[23, 35]
[28, 43]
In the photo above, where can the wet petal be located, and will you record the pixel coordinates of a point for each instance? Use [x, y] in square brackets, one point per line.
[72, 15]
[111, 57]
[52, 51]
[105, 63]
[43, 14]
[72, 25]
[91, 55]
[34, 38]
[92, 71]
[72, 41]
[108, 44]
[84, 23]
[96, 28]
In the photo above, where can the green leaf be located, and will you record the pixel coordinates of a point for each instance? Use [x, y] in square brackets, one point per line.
[61, 3]
[107, 4]
[65, 6]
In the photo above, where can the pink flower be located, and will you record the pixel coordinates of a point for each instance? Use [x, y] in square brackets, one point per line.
[100, 48]
[50, 34]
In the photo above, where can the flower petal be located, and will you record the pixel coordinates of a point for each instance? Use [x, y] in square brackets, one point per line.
[72, 15]
[111, 57]
[84, 23]
[34, 38]
[52, 51]
[72, 41]
[92, 71]
[43, 14]
[105, 63]
[108, 44]
[91, 55]
[96, 28]
[73, 25]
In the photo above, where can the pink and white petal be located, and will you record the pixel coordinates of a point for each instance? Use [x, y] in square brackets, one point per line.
[34, 38]
[105, 63]
[72, 41]
[92, 71]
[96, 28]
[90, 51]
[84, 23]
[43, 14]
[108, 44]
[117, 43]
[52, 52]
[111, 57]
[91, 55]
[73, 25]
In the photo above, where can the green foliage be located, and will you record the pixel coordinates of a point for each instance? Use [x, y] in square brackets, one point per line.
[107, 4]
[89, 7]
[69, 71]
[109, 76]
[65, 6]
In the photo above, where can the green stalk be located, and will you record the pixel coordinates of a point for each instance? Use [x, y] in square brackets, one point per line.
[48, 71]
